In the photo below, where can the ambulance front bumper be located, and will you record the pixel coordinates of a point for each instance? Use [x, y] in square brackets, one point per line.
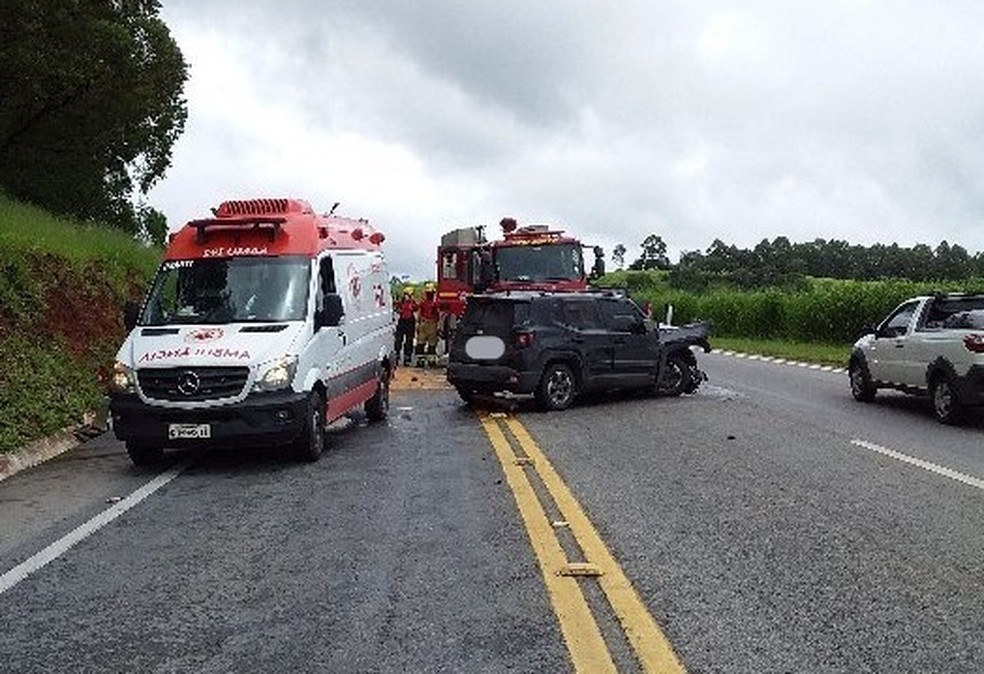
[261, 419]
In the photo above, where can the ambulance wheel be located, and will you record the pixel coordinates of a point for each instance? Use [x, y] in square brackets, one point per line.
[466, 395]
[144, 455]
[311, 443]
[377, 407]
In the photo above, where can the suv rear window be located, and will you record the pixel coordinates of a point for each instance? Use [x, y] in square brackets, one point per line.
[493, 315]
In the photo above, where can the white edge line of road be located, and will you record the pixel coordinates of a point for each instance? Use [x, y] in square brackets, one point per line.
[779, 361]
[925, 465]
[66, 542]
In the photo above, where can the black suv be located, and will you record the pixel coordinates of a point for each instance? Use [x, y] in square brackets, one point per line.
[558, 345]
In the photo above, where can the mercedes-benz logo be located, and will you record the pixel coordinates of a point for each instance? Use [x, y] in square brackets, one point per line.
[188, 383]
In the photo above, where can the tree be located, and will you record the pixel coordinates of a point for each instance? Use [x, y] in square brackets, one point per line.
[653, 254]
[618, 255]
[92, 105]
[151, 225]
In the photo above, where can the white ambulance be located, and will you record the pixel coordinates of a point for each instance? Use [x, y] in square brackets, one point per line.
[264, 323]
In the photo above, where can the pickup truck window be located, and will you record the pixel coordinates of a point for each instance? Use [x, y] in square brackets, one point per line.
[968, 320]
[897, 324]
[956, 312]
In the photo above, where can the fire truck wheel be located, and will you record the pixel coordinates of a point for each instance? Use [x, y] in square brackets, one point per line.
[377, 407]
[311, 443]
[144, 455]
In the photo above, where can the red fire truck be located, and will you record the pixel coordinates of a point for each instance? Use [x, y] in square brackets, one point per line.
[531, 257]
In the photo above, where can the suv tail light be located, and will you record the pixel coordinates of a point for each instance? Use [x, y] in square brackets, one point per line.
[524, 339]
[974, 343]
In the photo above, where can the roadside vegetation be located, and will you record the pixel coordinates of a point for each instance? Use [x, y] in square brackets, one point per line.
[815, 320]
[93, 102]
[62, 286]
[802, 352]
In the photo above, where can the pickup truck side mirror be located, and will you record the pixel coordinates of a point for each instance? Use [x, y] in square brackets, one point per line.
[331, 312]
[131, 313]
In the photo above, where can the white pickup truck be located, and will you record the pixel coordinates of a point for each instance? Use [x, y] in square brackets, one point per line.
[928, 345]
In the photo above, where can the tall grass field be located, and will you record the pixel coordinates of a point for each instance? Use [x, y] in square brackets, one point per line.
[823, 311]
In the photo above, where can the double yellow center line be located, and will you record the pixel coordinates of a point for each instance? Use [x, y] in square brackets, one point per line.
[580, 630]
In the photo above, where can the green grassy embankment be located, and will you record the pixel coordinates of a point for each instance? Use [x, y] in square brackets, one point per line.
[62, 287]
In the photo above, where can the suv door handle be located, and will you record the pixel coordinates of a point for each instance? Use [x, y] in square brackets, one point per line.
[899, 345]
[577, 340]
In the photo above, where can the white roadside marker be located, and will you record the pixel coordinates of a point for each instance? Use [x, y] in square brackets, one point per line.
[66, 542]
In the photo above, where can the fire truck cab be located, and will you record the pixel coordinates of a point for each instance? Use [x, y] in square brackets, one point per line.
[264, 323]
[531, 257]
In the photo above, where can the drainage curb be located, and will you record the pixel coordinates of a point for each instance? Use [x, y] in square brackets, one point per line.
[37, 452]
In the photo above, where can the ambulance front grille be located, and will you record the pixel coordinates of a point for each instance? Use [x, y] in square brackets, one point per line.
[192, 383]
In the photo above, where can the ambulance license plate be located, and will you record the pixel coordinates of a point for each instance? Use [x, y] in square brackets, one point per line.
[188, 431]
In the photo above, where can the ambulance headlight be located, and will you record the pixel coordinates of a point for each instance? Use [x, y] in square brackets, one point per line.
[122, 380]
[276, 375]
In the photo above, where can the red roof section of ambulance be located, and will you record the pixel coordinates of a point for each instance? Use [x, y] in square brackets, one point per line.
[273, 227]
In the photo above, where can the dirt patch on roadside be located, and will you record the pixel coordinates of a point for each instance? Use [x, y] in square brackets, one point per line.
[419, 378]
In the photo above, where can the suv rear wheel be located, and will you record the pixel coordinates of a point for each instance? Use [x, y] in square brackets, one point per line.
[557, 388]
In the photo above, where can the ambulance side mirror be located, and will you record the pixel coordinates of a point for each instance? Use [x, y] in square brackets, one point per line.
[331, 312]
[131, 312]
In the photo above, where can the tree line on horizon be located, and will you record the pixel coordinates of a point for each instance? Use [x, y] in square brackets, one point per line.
[93, 102]
[781, 263]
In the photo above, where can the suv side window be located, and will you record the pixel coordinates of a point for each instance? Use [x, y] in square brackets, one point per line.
[582, 314]
[620, 307]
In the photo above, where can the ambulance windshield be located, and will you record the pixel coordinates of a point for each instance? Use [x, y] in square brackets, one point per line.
[229, 290]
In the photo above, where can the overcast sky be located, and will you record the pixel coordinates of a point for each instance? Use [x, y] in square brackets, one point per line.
[860, 120]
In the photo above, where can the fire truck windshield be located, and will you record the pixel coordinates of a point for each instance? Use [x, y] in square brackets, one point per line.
[227, 290]
[533, 263]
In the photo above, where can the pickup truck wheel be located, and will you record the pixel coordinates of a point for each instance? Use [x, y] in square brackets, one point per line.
[311, 443]
[861, 387]
[946, 406]
[467, 395]
[557, 387]
[675, 378]
[144, 455]
[377, 407]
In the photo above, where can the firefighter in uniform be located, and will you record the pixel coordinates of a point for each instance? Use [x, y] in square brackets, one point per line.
[406, 311]
[429, 317]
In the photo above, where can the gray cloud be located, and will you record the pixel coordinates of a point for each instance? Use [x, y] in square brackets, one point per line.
[852, 119]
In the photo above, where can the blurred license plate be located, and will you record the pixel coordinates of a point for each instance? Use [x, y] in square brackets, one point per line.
[188, 431]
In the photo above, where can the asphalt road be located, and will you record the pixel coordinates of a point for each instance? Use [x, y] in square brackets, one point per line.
[769, 524]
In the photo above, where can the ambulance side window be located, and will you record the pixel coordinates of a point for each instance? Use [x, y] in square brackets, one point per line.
[327, 277]
[326, 288]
